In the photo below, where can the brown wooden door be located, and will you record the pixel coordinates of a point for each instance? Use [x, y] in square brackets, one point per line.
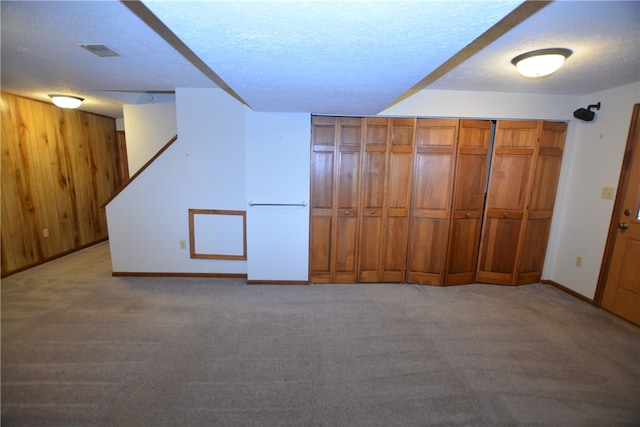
[335, 182]
[387, 167]
[474, 143]
[321, 224]
[397, 199]
[434, 163]
[621, 267]
[347, 199]
[376, 135]
[507, 198]
[543, 196]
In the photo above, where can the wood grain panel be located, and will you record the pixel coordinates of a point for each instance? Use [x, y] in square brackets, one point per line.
[322, 179]
[464, 241]
[335, 198]
[434, 162]
[516, 134]
[509, 182]
[534, 248]
[425, 254]
[122, 160]
[348, 179]
[347, 229]
[324, 131]
[398, 199]
[474, 142]
[543, 195]
[375, 164]
[321, 221]
[522, 188]
[499, 246]
[371, 231]
[58, 166]
[320, 249]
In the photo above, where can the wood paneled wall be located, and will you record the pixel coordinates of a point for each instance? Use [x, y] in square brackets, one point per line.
[58, 168]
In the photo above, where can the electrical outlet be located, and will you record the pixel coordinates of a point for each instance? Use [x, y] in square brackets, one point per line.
[579, 261]
[45, 233]
[607, 192]
[183, 244]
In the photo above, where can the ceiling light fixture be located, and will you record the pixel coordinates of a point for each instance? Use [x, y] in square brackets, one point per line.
[66, 101]
[540, 63]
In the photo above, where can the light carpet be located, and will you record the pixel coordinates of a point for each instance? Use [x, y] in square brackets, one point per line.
[83, 348]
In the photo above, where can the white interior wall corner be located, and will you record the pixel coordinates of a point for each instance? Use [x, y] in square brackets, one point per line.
[148, 127]
[597, 150]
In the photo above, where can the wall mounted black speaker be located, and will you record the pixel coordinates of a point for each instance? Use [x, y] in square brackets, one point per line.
[585, 113]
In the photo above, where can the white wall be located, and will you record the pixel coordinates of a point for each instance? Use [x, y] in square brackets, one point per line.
[203, 169]
[225, 155]
[485, 105]
[278, 171]
[595, 159]
[148, 127]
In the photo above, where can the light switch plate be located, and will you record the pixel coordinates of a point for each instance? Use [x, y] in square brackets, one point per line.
[607, 192]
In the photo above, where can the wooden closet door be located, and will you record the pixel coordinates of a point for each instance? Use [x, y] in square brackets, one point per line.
[335, 181]
[397, 199]
[347, 199]
[376, 135]
[543, 196]
[386, 190]
[434, 162]
[474, 143]
[507, 197]
[321, 205]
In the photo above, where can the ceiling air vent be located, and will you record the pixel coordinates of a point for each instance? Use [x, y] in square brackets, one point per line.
[99, 49]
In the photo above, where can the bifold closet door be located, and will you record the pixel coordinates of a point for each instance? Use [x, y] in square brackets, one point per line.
[434, 164]
[398, 199]
[335, 182]
[543, 196]
[522, 188]
[508, 195]
[472, 163]
[376, 134]
[387, 166]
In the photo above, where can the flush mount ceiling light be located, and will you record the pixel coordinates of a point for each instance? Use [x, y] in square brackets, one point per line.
[66, 101]
[540, 63]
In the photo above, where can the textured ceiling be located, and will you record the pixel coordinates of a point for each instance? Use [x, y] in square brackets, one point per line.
[327, 57]
[604, 37]
[40, 54]
[336, 57]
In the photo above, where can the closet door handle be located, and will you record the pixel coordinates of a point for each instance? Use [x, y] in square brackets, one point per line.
[346, 212]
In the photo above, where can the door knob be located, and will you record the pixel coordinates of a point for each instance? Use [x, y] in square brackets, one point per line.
[623, 225]
[346, 213]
